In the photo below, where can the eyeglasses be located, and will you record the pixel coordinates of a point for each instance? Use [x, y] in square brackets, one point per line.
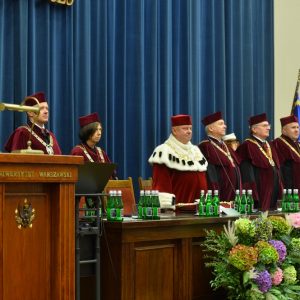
[264, 125]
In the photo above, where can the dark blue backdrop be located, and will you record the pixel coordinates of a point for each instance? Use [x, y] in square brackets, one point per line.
[137, 62]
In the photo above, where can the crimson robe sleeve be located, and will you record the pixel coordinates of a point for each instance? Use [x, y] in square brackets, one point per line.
[161, 178]
[17, 141]
[248, 178]
[289, 163]
[78, 152]
[56, 148]
[212, 177]
[286, 171]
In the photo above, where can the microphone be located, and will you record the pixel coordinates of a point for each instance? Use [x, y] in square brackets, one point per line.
[17, 107]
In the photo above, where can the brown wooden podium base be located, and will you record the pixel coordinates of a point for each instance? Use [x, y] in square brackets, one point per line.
[37, 235]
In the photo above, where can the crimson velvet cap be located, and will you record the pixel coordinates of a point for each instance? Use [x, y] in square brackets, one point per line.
[92, 118]
[257, 119]
[212, 118]
[180, 120]
[30, 101]
[287, 120]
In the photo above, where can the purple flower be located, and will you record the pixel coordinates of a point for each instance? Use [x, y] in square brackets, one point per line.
[264, 281]
[280, 248]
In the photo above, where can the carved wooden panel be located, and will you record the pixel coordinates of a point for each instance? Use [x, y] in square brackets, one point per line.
[38, 191]
[26, 251]
[154, 271]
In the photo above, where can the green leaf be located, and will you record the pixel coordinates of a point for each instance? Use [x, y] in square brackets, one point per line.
[246, 277]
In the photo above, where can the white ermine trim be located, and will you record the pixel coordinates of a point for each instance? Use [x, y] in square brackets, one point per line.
[178, 156]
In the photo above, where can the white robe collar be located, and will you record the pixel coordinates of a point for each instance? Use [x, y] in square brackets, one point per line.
[178, 156]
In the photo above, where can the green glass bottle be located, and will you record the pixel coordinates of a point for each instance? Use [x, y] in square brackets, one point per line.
[85, 214]
[284, 201]
[110, 207]
[216, 203]
[201, 206]
[237, 201]
[155, 205]
[141, 204]
[119, 206]
[296, 200]
[250, 202]
[243, 206]
[90, 212]
[290, 201]
[148, 206]
[209, 210]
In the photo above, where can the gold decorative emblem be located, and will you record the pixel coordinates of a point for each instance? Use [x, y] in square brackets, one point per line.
[24, 214]
[65, 2]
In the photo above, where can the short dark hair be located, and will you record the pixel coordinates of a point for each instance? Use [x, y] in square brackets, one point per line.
[87, 131]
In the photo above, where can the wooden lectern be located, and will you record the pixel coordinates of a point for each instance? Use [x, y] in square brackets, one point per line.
[37, 238]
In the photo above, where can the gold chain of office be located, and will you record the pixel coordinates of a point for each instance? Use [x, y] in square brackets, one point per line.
[99, 151]
[290, 146]
[64, 2]
[267, 154]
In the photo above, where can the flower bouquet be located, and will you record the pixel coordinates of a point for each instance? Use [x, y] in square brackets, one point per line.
[255, 259]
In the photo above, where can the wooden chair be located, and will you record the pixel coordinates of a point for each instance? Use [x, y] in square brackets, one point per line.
[126, 186]
[145, 184]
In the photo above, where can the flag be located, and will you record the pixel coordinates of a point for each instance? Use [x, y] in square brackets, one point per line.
[296, 102]
[296, 107]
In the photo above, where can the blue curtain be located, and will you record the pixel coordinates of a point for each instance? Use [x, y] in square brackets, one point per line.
[137, 62]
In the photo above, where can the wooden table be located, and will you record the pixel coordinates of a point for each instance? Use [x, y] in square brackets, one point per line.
[146, 260]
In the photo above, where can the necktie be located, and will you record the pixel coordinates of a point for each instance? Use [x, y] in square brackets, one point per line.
[222, 145]
[265, 147]
[267, 150]
[45, 135]
[226, 150]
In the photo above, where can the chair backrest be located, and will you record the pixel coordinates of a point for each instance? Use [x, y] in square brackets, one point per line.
[145, 184]
[126, 186]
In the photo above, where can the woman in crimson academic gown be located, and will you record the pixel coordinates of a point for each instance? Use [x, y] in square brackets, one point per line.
[90, 134]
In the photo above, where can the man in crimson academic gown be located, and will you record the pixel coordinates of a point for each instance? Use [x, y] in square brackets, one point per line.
[40, 137]
[223, 172]
[179, 166]
[260, 164]
[288, 150]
